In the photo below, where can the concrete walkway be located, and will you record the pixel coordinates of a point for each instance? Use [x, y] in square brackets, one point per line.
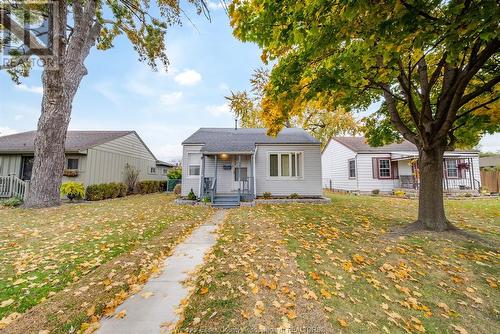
[156, 314]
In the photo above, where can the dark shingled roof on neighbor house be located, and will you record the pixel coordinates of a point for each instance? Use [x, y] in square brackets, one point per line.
[359, 144]
[75, 140]
[243, 140]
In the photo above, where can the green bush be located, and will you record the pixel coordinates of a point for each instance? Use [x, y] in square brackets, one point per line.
[191, 196]
[148, 187]
[73, 190]
[163, 185]
[98, 192]
[267, 195]
[376, 191]
[294, 196]
[399, 193]
[12, 202]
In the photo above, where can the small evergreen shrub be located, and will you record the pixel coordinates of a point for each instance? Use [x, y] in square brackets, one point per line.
[148, 187]
[191, 196]
[12, 202]
[294, 196]
[267, 195]
[375, 191]
[98, 192]
[73, 190]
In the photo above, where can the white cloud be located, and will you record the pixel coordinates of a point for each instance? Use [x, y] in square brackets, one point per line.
[5, 131]
[30, 89]
[219, 110]
[169, 99]
[188, 78]
[216, 4]
[107, 89]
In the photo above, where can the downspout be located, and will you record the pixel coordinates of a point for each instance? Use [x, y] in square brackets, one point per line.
[254, 174]
[357, 174]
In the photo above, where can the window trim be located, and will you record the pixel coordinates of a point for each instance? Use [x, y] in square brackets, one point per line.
[389, 168]
[151, 172]
[300, 170]
[456, 168]
[189, 175]
[349, 169]
[73, 158]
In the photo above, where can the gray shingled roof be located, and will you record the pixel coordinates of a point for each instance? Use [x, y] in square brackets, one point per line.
[75, 140]
[359, 144]
[218, 140]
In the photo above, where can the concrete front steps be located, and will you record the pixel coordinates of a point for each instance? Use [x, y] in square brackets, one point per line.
[226, 201]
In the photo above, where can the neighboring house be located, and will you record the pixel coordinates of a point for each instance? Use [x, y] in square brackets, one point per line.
[232, 164]
[351, 164]
[490, 162]
[92, 157]
[163, 167]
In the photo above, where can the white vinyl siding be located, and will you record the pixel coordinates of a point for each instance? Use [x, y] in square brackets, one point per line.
[335, 167]
[190, 182]
[308, 184]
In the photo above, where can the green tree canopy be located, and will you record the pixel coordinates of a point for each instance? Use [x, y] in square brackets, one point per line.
[435, 64]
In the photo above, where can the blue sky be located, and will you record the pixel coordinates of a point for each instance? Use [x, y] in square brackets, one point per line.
[121, 93]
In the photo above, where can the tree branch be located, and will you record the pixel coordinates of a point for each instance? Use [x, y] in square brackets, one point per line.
[479, 106]
[486, 87]
[22, 33]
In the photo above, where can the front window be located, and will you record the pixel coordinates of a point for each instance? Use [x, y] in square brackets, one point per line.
[384, 168]
[152, 170]
[352, 168]
[72, 164]
[451, 168]
[194, 164]
[287, 164]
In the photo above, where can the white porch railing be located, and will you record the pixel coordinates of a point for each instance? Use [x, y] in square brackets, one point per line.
[12, 186]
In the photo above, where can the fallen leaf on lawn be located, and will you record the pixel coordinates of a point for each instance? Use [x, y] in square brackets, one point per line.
[259, 308]
[146, 294]
[8, 319]
[291, 314]
[342, 322]
[245, 314]
[459, 329]
[384, 306]
[45, 331]
[262, 328]
[359, 259]
[196, 321]
[90, 311]
[19, 281]
[203, 290]
[326, 294]
[121, 314]
[6, 303]
[445, 307]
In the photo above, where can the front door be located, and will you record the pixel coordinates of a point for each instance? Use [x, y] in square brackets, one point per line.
[240, 174]
[26, 168]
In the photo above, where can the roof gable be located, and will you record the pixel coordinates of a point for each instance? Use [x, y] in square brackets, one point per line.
[75, 140]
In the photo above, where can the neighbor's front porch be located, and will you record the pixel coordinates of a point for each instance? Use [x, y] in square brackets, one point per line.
[227, 176]
[458, 173]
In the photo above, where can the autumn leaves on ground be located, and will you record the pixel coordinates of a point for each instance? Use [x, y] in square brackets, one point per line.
[330, 268]
[62, 267]
[316, 268]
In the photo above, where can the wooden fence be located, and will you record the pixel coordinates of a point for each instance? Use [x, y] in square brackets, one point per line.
[490, 180]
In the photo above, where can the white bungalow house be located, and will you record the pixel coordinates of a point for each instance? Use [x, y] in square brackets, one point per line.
[228, 165]
[351, 164]
[92, 157]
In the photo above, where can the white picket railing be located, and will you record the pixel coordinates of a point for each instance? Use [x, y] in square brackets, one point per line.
[12, 186]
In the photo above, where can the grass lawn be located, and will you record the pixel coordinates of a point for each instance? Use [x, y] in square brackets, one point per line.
[65, 266]
[330, 268]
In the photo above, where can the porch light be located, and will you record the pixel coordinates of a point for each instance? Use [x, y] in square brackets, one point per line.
[224, 156]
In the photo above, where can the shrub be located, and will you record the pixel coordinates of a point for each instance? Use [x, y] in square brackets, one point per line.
[399, 193]
[177, 190]
[163, 185]
[12, 202]
[148, 187]
[174, 174]
[294, 196]
[267, 195]
[98, 192]
[131, 177]
[73, 190]
[191, 196]
[468, 195]
[376, 191]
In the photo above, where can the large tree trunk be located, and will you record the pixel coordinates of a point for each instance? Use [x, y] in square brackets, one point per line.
[431, 204]
[50, 138]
